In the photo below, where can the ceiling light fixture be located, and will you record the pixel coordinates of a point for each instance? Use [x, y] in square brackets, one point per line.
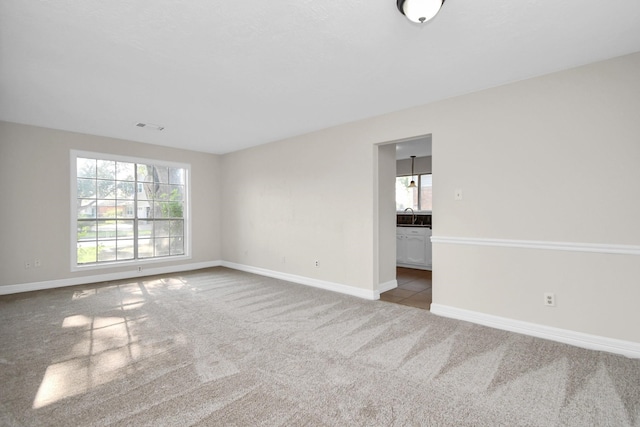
[419, 11]
[412, 184]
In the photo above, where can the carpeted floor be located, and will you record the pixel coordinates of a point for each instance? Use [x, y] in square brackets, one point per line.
[221, 347]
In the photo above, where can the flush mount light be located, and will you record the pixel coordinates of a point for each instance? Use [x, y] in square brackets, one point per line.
[419, 11]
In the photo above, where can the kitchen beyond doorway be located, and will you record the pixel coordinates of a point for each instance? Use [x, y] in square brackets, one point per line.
[414, 288]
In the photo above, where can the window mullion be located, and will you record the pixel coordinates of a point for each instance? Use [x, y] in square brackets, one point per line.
[135, 213]
[419, 192]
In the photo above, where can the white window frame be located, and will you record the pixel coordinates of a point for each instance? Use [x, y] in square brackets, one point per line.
[418, 179]
[74, 155]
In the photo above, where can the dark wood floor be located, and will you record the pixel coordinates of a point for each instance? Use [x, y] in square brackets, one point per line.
[414, 288]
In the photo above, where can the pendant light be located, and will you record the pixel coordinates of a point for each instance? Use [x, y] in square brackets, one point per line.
[412, 184]
[419, 11]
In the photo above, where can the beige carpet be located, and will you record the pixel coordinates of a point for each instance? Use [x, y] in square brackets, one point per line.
[221, 347]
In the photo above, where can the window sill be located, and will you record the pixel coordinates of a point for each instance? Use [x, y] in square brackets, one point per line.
[128, 264]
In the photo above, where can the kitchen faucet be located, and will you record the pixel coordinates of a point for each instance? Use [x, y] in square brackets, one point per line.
[413, 215]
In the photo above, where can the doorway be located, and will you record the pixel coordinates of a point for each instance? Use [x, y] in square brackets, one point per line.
[414, 288]
[410, 221]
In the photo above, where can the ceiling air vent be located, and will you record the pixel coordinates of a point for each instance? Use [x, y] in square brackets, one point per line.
[149, 125]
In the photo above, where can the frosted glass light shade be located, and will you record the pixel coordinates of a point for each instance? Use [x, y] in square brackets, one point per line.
[420, 11]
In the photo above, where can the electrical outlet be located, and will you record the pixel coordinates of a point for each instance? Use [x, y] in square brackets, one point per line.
[457, 194]
[37, 263]
[549, 299]
[317, 263]
[27, 265]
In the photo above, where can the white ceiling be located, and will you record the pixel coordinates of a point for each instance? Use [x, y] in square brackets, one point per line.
[419, 147]
[225, 75]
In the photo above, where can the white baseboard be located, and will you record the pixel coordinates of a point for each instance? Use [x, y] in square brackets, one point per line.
[81, 280]
[578, 339]
[322, 284]
[387, 286]
[415, 267]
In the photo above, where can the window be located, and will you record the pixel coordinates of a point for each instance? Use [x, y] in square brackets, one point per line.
[127, 210]
[412, 198]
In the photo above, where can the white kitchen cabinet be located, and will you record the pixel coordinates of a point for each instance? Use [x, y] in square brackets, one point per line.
[413, 247]
[401, 246]
[428, 250]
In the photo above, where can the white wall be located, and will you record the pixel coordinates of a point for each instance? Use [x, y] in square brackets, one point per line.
[290, 203]
[35, 213]
[385, 252]
[551, 159]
